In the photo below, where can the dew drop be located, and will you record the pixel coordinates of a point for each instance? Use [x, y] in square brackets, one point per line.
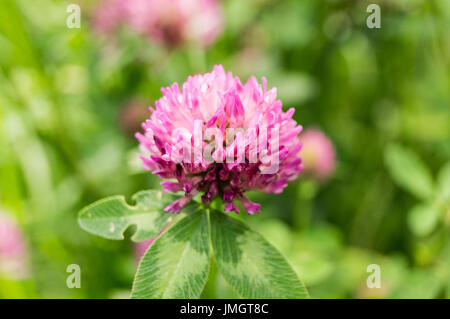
[112, 227]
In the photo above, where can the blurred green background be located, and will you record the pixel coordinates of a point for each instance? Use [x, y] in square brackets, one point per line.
[70, 101]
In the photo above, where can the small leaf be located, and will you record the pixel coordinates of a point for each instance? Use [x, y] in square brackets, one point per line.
[111, 216]
[252, 266]
[443, 181]
[177, 263]
[422, 219]
[409, 171]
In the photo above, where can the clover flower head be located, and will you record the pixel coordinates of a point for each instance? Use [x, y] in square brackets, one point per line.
[172, 22]
[13, 252]
[218, 137]
[318, 154]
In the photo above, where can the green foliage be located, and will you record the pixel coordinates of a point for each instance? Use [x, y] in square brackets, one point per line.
[110, 217]
[409, 171]
[423, 218]
[177, 263]
[443, 182]
[251, 265]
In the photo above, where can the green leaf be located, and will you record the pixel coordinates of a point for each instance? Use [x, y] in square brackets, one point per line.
[177, 263]
[443, 182]
[419, 284]
[422, 219]
[111, 216]
[409, 171]
[252, 266]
